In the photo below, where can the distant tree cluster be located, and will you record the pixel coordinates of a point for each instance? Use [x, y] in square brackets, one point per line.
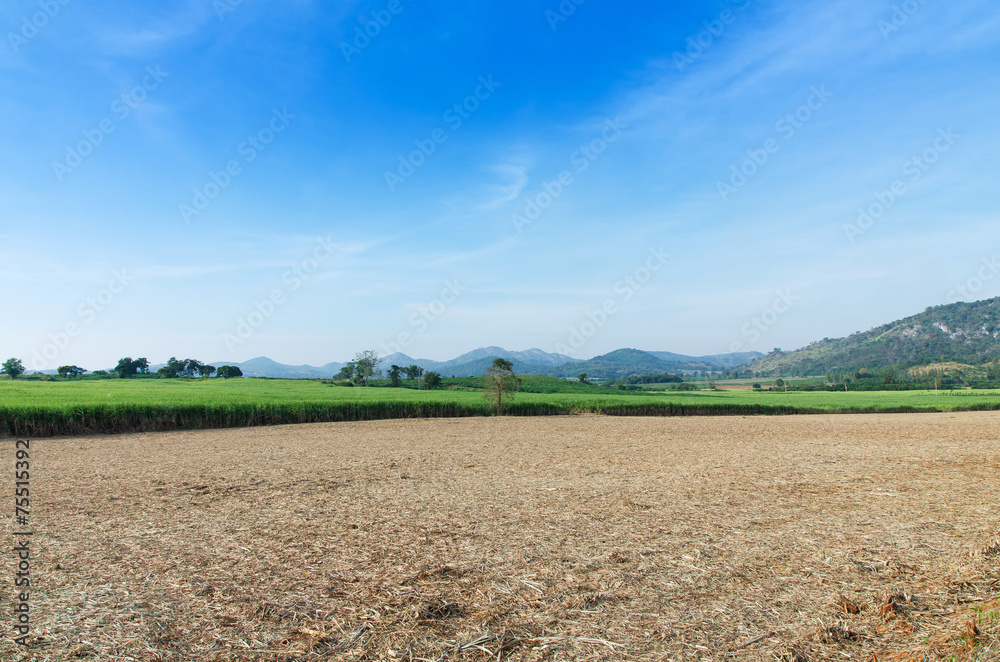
[185, 368]
[127, 367]
[658, 378]
[362, 369]
[365, 368]
[432, 380]
[228, 372]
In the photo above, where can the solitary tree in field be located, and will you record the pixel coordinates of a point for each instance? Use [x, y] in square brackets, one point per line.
[432, 380]
[366, 365]
[70, 371]
[228, 372]
[394, 372]
[500, 379]
[582, 377]
[13, 367]
[413, 371]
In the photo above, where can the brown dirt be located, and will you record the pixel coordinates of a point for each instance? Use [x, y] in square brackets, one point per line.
[570, 538]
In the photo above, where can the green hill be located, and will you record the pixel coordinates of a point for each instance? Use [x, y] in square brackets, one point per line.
[966, 333]
[619, 363]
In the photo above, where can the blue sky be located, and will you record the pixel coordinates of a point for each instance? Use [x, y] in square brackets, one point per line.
[234, 179]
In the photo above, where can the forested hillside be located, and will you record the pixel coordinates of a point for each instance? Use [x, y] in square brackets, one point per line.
[966, 333]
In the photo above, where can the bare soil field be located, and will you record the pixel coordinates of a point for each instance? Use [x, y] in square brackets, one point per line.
[568, 538]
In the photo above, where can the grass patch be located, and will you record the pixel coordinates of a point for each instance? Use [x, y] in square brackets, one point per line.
[39, 409]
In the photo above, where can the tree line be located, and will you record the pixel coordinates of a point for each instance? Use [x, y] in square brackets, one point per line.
[500, 381]
[128, 367]
[499, 384]
[365, 367]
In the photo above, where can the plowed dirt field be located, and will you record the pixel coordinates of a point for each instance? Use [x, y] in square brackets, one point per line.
[565, 538]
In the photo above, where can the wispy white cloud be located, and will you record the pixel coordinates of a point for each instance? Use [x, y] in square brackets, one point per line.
[515, 178]
[795, 37]
[119, 37]
[170, 272]
[467, 256]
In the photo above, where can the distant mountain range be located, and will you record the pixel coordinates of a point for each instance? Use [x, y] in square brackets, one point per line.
[964, 333]
[476, 362]
[619, 363]
[961, 333]
[626, 362]
[265, 367]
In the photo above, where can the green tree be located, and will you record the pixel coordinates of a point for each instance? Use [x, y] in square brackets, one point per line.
[184, 368]
[347, 372]
[394, 372]
[228, 372]
[12, 367]
[125, 368]
[413, 371]
[173, 369]
[432, 380]
[500, 379]
[582, 378]
[70, 371]
[366, 366]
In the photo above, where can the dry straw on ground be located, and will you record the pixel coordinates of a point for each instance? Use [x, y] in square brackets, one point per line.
[572, 538]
